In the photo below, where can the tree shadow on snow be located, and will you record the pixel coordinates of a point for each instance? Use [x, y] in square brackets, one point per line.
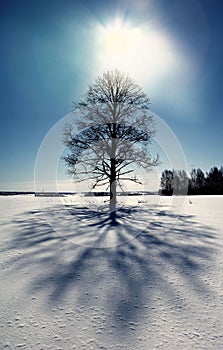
[122, 267]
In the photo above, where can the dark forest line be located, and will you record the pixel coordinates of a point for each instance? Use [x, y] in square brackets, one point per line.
[197, 183]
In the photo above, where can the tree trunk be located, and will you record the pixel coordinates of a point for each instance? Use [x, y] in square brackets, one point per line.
[113, 189]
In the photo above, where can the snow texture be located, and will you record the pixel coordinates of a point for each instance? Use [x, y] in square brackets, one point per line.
[70, 279]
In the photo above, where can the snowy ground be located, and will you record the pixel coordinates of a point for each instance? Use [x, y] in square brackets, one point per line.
[71, 280]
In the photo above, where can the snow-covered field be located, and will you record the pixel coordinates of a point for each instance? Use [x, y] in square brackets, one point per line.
[71, 280]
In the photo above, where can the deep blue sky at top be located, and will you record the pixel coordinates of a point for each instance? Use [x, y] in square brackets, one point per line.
[49, 55]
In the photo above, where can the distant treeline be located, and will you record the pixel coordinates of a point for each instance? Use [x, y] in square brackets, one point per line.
[14, 193]
[178, 182]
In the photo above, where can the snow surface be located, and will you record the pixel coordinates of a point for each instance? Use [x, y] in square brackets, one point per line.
[72, 280]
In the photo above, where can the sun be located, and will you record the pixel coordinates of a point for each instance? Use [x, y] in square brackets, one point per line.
[119, 38]
[118, 42]
[142, 51]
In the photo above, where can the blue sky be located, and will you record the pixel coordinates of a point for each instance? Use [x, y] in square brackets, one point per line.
[52, 50]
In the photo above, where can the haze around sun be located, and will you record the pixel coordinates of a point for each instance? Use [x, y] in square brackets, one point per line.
[144, 52]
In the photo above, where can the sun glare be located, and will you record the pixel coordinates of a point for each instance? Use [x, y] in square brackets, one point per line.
[119, 39]
[141, 51]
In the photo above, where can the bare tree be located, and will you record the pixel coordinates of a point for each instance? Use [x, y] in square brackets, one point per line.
[115, 129]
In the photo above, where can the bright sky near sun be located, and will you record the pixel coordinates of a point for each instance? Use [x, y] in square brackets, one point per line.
[52, 50]
[134, 49]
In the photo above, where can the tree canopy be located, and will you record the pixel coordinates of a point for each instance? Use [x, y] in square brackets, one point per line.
[114, 129]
